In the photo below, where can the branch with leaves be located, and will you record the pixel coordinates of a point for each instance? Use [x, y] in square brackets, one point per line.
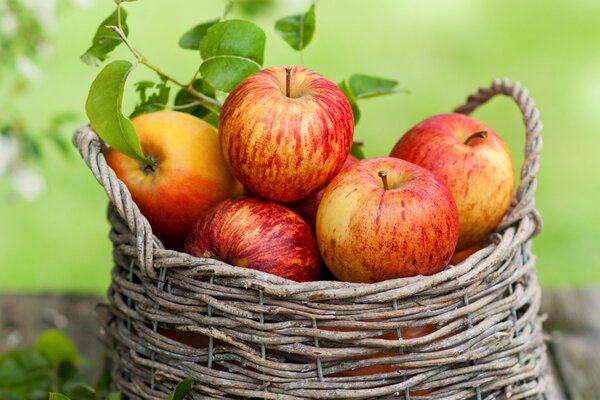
[229, 49]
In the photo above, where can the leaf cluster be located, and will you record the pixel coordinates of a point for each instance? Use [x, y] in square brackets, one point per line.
[50, 369]
[51, 365]
[229, 50]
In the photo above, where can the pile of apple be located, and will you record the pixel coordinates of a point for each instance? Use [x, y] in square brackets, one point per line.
[276, 190]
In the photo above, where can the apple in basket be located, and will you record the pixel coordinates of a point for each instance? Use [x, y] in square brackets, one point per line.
[307, 207]
[253, 233]
[385, 218]
[405, 333]
[189, 174]
[285, 132]
[472, 161]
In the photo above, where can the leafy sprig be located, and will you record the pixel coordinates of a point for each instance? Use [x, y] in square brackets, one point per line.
[229, 50]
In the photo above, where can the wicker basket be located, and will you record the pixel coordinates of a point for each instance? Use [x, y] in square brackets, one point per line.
[270, 338]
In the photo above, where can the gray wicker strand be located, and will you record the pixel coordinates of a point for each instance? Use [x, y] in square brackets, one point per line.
[241, 333]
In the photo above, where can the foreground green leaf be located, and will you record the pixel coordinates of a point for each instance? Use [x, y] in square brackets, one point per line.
[103, 108]
[365, 86]
[357, 150]
[105, 40]
[192, 38]
[57, 347]
[231, 51]
[351, 99]
[297, 30]
[58, 396]
[25, 373]
[181, 390]
[10, 396]
[184, 98]
[155, 101]
[82, 392]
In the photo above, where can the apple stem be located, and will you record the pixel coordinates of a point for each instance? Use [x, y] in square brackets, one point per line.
[288, 76]
[480, 135]
[151, 167]
[383, 175]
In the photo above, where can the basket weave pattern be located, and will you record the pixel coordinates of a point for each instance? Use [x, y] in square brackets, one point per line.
[270, 338]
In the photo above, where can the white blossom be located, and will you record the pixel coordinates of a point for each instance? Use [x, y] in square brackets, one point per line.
[82, 3]
[9, 153]
[8, 23]
[44, 50]
[44, 11]
[28, 183]
[28, 69]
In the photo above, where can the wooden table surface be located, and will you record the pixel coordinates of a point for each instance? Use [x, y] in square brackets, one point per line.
[573, 325]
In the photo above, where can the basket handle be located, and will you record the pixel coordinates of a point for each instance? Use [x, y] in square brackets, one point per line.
[523, 202]
[91, 149]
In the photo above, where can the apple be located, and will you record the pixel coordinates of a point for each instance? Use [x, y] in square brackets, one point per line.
[462, 255]
[254, 233]
[406, 333]
[285, 132]
[385, 218]
[307, 207]
[189, 174]
[472, 161]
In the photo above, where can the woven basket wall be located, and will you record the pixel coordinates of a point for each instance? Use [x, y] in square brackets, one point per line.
[264, 337]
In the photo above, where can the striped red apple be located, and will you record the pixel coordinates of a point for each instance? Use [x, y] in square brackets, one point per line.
[307, 207]
[472, 161]
[257, 234]
[285, 132]
[386, 218]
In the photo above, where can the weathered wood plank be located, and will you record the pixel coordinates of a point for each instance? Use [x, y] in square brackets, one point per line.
[554, 389]
[572, 310]
[23, 317]
[574, 325]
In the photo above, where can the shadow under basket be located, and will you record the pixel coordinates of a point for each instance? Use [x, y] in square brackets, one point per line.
[240, 333]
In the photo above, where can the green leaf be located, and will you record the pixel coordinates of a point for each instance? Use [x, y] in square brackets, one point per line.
[365, 86]
[57, 347]
[24, 372]
[351, 99]
[58, 396]
[192, 38]
[254, 7]
[155, 101]
[231, 50]
[184, 97]
[10, 396]
[113, 396]
[181, 390]
[103, 108]
[105, 40]
[297, 30]
[104, 380]
[357, 150]
[82, 392]
[212, 119]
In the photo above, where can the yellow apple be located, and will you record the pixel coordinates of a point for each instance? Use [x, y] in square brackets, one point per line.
[189, 174]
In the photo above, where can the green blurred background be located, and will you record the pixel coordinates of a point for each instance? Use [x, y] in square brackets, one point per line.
[441, 51]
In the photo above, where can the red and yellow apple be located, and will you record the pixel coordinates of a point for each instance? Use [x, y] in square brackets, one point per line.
[285, 132]
[189, 174]
[253, 233]
[385, 218]
[307, 207]
[462, 255]
[405, 333]
[472, 161]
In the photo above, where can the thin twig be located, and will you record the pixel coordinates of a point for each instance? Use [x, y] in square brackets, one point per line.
[210, 103]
